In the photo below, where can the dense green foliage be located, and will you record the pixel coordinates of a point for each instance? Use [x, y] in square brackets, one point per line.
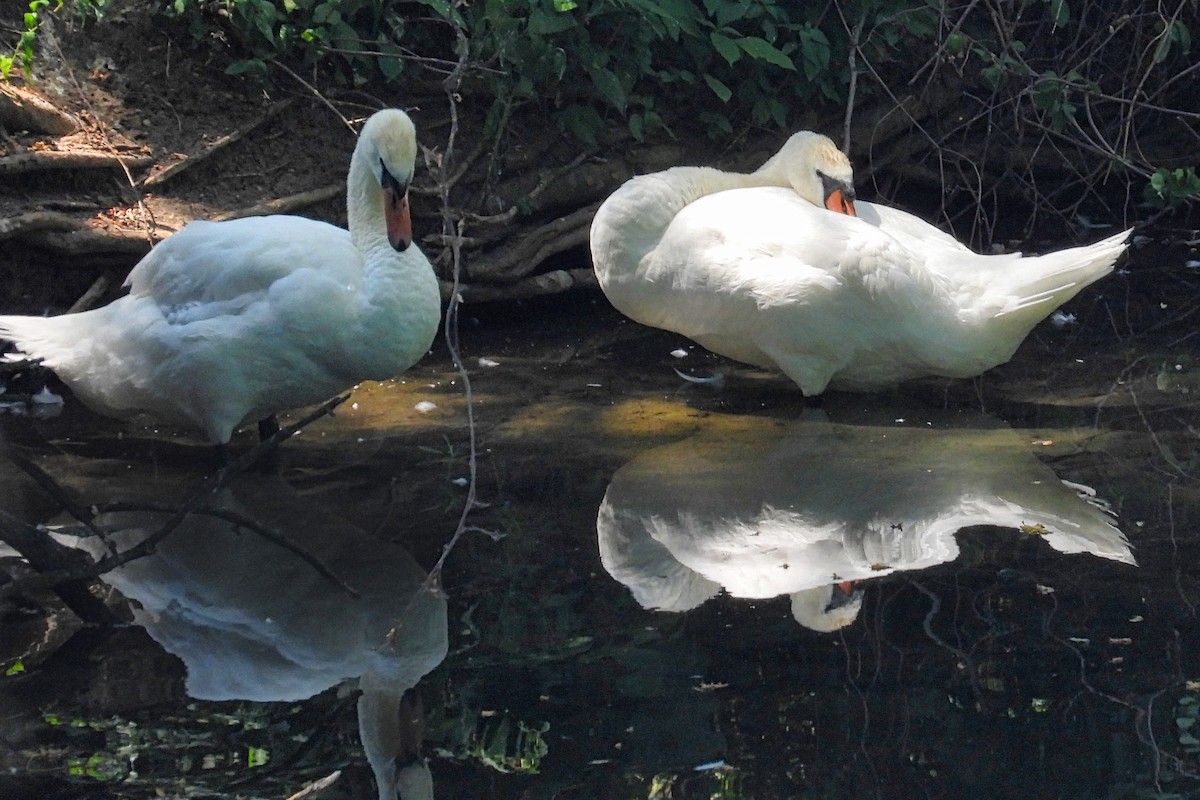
[740, 59]
[1081, 87]
[1038, 75]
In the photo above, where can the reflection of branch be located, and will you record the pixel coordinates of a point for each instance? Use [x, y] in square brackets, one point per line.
[927, 625]
[237, 521]
[315, 788]
[193, 504]
[1142, 705]
[57, 493]
[44, 554]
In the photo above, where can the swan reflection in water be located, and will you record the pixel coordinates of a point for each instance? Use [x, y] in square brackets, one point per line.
[252, 621]
[806, 508]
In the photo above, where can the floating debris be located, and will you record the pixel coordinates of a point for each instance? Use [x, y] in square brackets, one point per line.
[1061, 319]
[487, 362]
[425, 406]
[46, 398]
[679, 352]
[717, 380]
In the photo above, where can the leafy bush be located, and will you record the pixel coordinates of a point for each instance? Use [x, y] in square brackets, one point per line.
[730, 59]
[22, 54]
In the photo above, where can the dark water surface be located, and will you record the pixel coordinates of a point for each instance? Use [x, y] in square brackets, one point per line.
[981, 589]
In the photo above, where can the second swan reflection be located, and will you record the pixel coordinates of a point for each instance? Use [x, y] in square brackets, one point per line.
[805, 508]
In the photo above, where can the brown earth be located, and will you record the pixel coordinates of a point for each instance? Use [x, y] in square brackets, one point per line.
[84, 206]
[166, 136]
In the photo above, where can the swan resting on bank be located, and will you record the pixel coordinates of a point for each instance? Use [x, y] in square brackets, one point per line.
[226, 323]
[782, 268]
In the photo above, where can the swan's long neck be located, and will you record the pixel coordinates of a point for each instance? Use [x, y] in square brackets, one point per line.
[633, 219]
[364, 206]
[691, 183]
[400, 307]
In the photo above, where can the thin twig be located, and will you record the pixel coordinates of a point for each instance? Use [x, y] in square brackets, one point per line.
[453, 231]
[315, 92]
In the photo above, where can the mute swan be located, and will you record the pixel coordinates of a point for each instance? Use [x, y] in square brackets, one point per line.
[756, 267]
[228, 322]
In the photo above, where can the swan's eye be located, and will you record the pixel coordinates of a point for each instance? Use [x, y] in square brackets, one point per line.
[830, 184]
[389, 181]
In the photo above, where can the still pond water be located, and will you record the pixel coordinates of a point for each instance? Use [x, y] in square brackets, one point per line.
[980, 589]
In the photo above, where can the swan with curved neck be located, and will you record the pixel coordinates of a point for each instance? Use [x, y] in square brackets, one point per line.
[783, 268]
[229, 322]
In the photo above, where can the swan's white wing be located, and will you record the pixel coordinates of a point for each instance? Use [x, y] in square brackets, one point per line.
[769, 244]
[907, 228]
[211, 268]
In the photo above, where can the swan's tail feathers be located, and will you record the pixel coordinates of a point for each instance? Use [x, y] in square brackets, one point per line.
[16, 330]
[1046, 282]
[39, 338]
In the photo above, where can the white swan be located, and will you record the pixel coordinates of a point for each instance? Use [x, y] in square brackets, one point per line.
[228, 322]
[752, 267]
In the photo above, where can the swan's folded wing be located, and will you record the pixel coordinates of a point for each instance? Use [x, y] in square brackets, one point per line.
[770, 245]
[231, 263]
[909, 229]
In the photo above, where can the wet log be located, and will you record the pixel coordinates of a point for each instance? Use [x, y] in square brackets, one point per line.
[25, 110]
[41, 160]
[553, 282]
[28, 222]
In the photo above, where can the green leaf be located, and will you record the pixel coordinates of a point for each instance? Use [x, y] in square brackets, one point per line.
[542, 24]
[582, 121]
[1060, 12]
[814, 51]
[609, 86]
[718, 124]
[1177, 33]
[727, 12]
[323, 12]
[763, 50]
[637, 127]
[719, 89]
[390, 67]
[255, 65]
[725, 46]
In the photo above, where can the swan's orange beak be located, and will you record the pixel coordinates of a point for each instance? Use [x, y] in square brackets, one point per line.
[395, 214]
[839, 202]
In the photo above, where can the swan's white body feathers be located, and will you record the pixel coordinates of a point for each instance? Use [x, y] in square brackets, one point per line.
[228, 322]
[758, 273]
